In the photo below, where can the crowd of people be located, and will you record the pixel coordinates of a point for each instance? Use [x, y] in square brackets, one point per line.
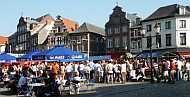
[109, 71]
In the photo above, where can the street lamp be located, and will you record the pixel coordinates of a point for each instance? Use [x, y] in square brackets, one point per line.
[157, 29]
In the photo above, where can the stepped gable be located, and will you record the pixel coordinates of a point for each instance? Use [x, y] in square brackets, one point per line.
[3, 40]
[70, 24]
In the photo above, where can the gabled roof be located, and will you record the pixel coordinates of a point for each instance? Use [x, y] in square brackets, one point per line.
[86, 27]
[166, 12]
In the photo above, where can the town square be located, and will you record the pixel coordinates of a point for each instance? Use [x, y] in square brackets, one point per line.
[97, 48]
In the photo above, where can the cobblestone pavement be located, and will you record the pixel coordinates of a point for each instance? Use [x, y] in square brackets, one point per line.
[133, 89]
[179, 89]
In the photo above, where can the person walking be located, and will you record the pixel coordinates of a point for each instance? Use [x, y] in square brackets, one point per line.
[188, 70]
[98, 69]
[179, 69]
[165, 68]
[81, 70]
[68, 70]
[156, 70]
[110, 71]
[87, 70]
[105, 71]
[54, 71]
[173, 70]
[123, 71]
[117, 70]
[63, 71]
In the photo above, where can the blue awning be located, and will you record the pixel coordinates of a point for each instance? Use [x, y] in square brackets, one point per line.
[5, 57]
[28, 56]
[59, 53]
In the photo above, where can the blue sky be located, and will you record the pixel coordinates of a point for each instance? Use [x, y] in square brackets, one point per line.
[93, 11]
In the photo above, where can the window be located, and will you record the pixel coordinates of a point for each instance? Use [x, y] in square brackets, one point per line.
[136, 32]
[59, 29]
[134, 45]
[124, 41]
[132, 33]
[149, 42]
[109, 43]
[158, 40]
[139, 44]
[18, 29]
[168, 40]
[109, 31]
[182, 38]
[159, 25]
[139, 33]
[59, 40]
[182, 24]
[117, 30]
[116, 42]
[31, 26]
[149, 28]
[168, 25]
[124, 29]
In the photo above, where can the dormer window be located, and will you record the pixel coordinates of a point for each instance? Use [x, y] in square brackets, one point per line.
[182, 10]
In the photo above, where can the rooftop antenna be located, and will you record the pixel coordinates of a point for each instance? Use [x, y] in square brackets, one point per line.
[180, 2]
[117, 2]
[22, 14]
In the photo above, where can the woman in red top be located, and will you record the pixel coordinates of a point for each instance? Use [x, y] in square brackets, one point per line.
[173, 70]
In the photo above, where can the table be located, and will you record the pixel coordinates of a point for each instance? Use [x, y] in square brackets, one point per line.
[36, 84]
[78, 79]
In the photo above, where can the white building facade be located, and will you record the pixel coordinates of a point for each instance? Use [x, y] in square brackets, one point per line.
[172, 33]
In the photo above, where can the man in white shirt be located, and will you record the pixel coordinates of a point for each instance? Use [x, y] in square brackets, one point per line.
[110, 71]
[123, 71]
[117, 68]
[22, 83]
[68, 70]
[81, 70]
[92, 72]
[98, 69]
[75, 69]
[87, 70]
[179, 71]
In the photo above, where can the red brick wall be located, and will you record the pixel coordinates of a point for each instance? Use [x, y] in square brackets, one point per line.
[70, 25]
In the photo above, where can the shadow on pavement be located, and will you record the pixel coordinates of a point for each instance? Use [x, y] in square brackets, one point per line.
[6, 93]
[109, 90]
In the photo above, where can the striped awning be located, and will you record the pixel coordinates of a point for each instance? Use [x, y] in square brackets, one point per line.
[106, 57]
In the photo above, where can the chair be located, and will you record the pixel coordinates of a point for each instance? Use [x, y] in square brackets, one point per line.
[64, 88]
[24, 91]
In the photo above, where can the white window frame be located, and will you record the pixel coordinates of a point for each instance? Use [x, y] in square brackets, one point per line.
[182, 23]
[117, 42]
[116, 29]
[124, 41]
[109, 43]
[109, 31]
